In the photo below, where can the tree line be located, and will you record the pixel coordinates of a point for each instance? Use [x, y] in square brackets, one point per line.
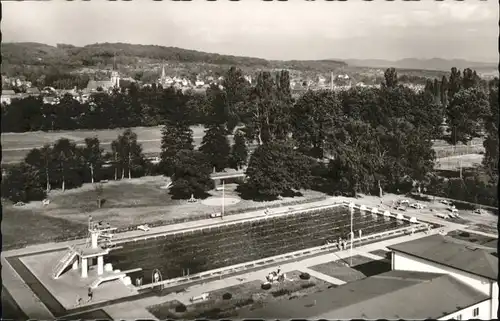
[362, 140]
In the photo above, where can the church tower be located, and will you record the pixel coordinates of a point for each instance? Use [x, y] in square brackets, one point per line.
[115, 77]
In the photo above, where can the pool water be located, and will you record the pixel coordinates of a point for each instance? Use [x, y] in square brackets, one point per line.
[208, 249]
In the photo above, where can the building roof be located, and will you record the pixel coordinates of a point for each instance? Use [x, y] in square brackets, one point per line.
[94, 84]
[391, 295]
[32, 90]
[450, 252]
[9, 92]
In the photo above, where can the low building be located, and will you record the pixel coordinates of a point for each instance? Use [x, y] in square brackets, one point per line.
[435, 277]
[473, 265]
[7, 96]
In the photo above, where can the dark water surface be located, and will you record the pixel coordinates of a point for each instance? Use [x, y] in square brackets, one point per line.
[214, 248]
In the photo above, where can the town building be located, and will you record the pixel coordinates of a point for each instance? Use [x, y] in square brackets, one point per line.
[7, 96]
[105, 85]
[435, 277]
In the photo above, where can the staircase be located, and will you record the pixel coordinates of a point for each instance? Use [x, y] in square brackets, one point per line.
[64, 262]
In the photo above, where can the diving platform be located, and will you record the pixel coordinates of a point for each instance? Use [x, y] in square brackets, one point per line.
[98, 245]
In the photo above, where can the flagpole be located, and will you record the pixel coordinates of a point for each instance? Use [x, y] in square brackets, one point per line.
[223, 195]
[352, 234]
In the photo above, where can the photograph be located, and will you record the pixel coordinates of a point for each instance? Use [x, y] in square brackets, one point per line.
[249, 159]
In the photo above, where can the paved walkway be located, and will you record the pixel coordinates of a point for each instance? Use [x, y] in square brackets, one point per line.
[22, 294]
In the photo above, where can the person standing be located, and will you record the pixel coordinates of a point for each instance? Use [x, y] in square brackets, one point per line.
[91, 294]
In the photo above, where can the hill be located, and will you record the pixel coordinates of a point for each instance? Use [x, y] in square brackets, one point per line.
[17, 56]
[423, 64]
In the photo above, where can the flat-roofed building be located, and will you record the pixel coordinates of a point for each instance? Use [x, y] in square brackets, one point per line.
[434, 277]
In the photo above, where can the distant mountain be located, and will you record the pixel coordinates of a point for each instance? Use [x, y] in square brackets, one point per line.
[422, 64]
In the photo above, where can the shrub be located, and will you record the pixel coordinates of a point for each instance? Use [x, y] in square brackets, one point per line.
[281, 292]
[227, 296]
[180, 308]
[305, 276]
[245, 302]
[265, 286]
[307, 285]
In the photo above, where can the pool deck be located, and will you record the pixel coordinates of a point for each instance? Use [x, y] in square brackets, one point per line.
[35, 309]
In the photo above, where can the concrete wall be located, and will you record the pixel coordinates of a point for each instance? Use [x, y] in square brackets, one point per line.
[406, 262]
[468, 313]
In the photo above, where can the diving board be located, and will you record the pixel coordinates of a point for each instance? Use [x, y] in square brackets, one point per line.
[111, 276]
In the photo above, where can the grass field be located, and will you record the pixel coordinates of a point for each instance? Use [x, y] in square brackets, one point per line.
[126, 203]
[361, 267]
[245, 295]
[454, 162]
[16, 145]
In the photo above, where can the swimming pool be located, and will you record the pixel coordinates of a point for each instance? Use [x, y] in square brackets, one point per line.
[212, 248]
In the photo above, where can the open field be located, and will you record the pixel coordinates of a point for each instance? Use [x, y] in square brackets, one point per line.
[126, 203]
[249, 295]
[453, 163]
[16, 145]
[361, 267]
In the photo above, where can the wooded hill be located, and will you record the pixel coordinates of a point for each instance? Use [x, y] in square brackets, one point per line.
[67, 57]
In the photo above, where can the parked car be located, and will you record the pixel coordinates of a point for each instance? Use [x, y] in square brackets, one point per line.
[144, 227]
[453, 210]
[442, 215]
[401, 208]
[446, 202]
[479, 211]
[214, 215]
[403, 202]
[417, 206]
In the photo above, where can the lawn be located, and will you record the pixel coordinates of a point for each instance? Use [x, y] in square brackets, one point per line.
[361, 267]
[247, 295]
[470, 237]
[382, 253]
[454, 162]
[126, 203]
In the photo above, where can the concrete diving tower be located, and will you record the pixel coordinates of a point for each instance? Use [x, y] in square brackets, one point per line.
[79, 255]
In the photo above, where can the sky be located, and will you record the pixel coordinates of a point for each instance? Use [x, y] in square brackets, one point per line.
[296, 29]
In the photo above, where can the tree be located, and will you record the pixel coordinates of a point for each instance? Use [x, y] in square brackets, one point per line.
[236, 90]
[454, 83]
[239, 151]
[66, 157]
[391, 78]
[175, 137]
[191, 175]
[275, 169]
[22, 185]
[129, 153]
[215, 146]
[40, 162]
[315, 116]
[465, 115]
[491, 144]
[99, 190]
[92, 155]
